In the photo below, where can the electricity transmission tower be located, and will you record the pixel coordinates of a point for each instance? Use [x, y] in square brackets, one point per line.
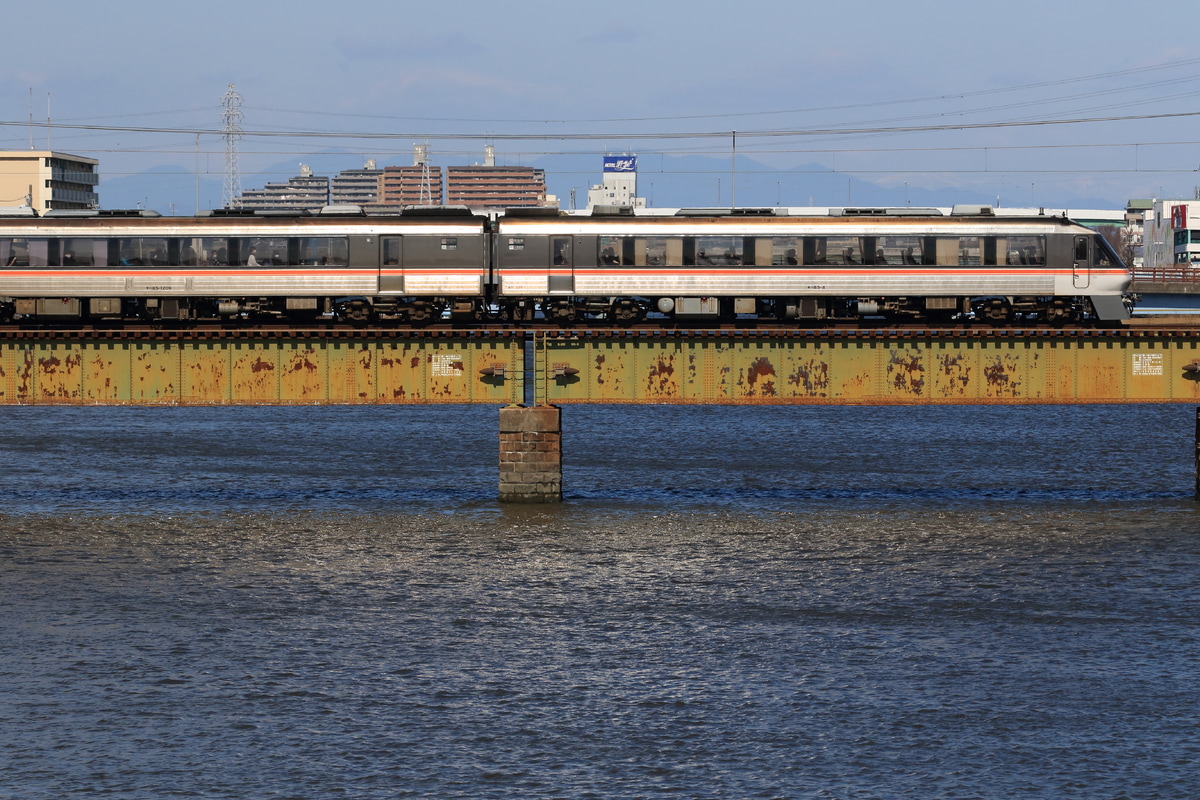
[421, 158]
[231, 117]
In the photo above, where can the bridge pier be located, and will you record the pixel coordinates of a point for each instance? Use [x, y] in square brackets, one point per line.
[531, 454]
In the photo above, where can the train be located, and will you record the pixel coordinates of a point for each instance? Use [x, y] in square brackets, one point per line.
[539, 266]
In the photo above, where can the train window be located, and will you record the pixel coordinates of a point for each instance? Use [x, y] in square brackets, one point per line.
[83, 252]
[1081, 249]
[213, 251]
[516, 243]
[449, 243]
[331, 251]
[561, 249]
[1023, 250]
[970, 251]
[144, 251]
[612, 248]
[899, 250]
[391, 251]
[719, 250]
[265, 250]
[652, 251]
[23, 252]
[835, 250]
[784, 251]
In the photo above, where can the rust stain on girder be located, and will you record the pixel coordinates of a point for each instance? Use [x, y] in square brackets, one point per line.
[811, 377]
[661, 375]
[907, 371]
[303, 362]
[955, 372]
[1003, 376]
[760, 369]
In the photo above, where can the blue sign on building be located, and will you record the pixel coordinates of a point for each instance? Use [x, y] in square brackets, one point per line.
[620, 163]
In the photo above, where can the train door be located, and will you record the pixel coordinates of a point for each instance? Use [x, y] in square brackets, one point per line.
[562, 265]
[391, 269]
[1081, 269]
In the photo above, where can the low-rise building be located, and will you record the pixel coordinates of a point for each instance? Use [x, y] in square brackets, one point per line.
[1171, 235]
[46, 180]
[303, 192]
[357, 187]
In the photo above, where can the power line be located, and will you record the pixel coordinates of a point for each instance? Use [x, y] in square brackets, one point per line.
[671, 135]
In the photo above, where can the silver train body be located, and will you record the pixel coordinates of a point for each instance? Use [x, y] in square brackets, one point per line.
[539, 264]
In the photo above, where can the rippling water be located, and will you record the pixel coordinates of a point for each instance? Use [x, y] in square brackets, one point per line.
[764, 602]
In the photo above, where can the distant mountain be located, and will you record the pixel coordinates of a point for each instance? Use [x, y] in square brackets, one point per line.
[665, 181]
[700, 182]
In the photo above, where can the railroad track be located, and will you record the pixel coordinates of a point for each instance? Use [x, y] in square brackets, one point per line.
[342, 330]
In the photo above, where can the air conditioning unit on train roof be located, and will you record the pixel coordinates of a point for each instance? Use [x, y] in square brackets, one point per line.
[898, 211]
[437, 211]
[72, 212]
[127, 212]
[968, 210]
[532, 212]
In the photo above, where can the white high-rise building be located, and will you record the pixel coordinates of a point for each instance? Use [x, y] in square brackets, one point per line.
[620, 184]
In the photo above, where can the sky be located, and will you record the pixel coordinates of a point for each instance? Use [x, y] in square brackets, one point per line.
[760, 102]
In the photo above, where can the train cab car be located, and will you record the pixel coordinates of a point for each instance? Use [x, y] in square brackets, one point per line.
[847, 265]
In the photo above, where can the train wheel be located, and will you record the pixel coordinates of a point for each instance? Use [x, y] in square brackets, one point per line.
[356, 312]
[996, 312]
[1059, 312]
[626, 312]
[423, 313]
[562, 311]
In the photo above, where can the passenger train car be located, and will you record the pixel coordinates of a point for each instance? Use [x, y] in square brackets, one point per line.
[531, 265]
[853, 263]
[226, 265]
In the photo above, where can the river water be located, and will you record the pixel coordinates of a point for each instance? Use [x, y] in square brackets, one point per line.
[965, 602]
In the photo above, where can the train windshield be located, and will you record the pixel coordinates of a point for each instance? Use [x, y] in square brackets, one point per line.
[1104, 254]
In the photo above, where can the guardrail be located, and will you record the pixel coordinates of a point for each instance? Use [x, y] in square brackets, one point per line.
[1174, 274]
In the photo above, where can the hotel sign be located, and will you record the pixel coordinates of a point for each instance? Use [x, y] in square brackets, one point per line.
[620, 163]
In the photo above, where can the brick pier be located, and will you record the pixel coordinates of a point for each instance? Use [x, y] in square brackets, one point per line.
[531, 454]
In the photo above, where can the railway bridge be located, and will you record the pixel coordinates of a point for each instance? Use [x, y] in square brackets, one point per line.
[531, 376]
